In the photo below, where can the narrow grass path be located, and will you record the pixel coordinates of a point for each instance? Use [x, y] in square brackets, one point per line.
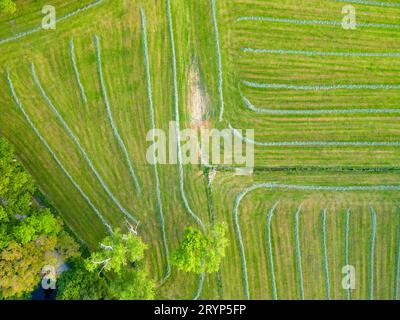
[270, 214]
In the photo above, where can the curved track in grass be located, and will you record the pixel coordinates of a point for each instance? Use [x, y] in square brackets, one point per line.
[76, 70]
[325, 255]
[253, 187]
[372, 254]
[270, 251]
[38, 28]
[153, 126]
[110, 116]
[53, 155]
[79, 146]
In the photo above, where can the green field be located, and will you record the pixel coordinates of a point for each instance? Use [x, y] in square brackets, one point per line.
[77, 102]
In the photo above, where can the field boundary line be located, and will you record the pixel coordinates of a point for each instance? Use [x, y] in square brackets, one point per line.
[298, 251]
[53, 155]
[346, 247]
[76, 70]
[178, 136]
[257, 85]
[314, 143]
[80, 148]
[68, 15]
[252, 107]
[315, 22]
[219, 59]
[372, 253]
[321, 53]
[396, 277]
[110, 116]
[372, 3]
[153, 126]
[325, 255]
[270, 214]
[273, 185]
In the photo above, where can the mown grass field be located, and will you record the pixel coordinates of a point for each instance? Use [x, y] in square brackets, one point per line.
[94, 108]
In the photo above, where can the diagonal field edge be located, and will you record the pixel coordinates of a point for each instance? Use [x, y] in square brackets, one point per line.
[253, 187]
[396, 276]
[321, 87]
[270, 214]
[314, 143]
[322, 53]
[298, 251]
[152, 123]
[219, 60]
[76, 70]
[71, 14]
[110, 117]
[252, 107]
[372, 3]
[79, 146]
[315, 22]
[53, 155]
[372, 253]
[177, 130]
[325, 255]
[346, 247]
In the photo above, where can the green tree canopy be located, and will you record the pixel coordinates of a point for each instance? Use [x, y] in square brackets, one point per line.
[8, 6]
[201, 253]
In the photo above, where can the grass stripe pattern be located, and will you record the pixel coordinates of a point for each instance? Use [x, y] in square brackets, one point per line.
[80, 148]
[219, 60]
[177, 119]
[110, 117]
[325, 255]
[270, 253]
[321, 87]
[322, 53]
[76, 71]
[315, 143]
[153, 126]
[346, 247]
[372, 3]
[396, 276]
[298, 251]
[53, 155]
[372, 253]
[316, 22]
[38, 28]
[250, 106]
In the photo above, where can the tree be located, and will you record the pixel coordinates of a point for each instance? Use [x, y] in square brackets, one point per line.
[30, 237]
[8, 6]
[78, 283]
[201, 253]
[117, 251]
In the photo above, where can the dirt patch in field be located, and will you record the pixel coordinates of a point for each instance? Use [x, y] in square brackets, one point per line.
[198, 100]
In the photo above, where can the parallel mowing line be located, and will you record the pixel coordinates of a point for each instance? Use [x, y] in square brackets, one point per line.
[372, 3]
[321, 87]
[346, 247]
[298, 252]
[270, 253]
[153, 126]
[372, 253]
[76, 71]
[110, 117]
[53, 155]
[77, 143]
[177, 128]
[314, 143]
[25, 33]
[219, 60]
[322, 53]
[325, 255]
[316, 22]
[253, 187]
[250, 106]
[396, 276]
